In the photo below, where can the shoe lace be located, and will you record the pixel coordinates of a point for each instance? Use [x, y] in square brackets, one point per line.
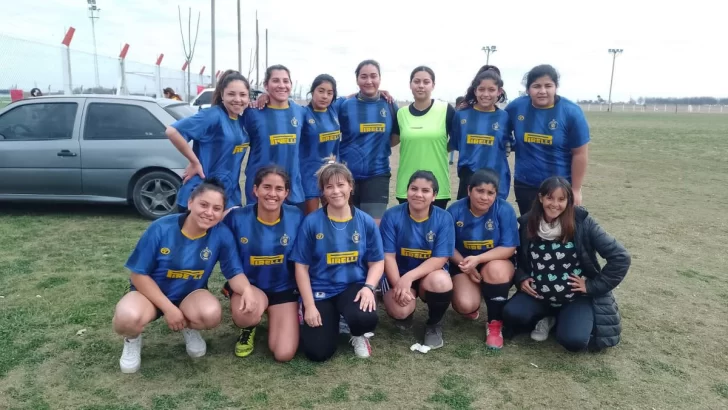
[494, 327]
[542, 325]
[433, 330]
[358, 342]
[245, 336]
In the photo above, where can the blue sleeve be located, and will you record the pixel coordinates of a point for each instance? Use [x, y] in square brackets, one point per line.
[445, 239]
[143, 259]
[388, 233]
[508, 226]
[230, 263]
[248, 123]
[337, 103]
[578, 133]
[302, 246]
[375, 251]
[455, 132]
[199, 126]
[508, 129]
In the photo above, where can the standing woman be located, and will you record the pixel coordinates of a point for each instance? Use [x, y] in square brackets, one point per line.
[424, 127]
[264, 232]
[486, 237]
[558, 273]
[275, 134]
[551, 137]
[219, 143]
[418, 239]
[320, 136]
[170, 267]
[369, 131]
[339, 261]
[481, 132]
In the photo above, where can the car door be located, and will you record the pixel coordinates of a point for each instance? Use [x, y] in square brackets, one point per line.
[39, 148]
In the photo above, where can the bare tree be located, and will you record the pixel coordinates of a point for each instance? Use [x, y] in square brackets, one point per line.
[189, 46]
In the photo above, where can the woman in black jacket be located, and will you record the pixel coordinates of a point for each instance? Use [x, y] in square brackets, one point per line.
[558, 273]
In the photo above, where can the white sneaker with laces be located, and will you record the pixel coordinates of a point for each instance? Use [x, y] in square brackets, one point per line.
[196, 346]
[542, 329]
[131, 357]
[362, 348]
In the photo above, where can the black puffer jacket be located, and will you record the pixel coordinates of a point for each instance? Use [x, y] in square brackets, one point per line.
[589, 240]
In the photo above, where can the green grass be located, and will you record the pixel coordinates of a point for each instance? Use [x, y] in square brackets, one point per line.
[655, 181]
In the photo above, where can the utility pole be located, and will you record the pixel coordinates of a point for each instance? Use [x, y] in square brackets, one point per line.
[614, 52]
[92, 10]
[214, 77]
[488, 50]
[240, 47]
[257, 52]
[266, 49]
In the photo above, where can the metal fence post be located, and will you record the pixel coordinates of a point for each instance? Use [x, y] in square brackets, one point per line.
[66, 62]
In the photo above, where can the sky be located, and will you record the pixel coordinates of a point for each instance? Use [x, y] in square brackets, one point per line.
[670, 49]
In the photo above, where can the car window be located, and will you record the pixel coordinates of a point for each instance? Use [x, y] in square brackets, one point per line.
[38, 121]
[107, 121]
[204, 98]
[179, 111]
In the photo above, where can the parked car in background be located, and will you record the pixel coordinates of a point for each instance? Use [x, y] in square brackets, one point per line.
[204, 98]
[92, 148]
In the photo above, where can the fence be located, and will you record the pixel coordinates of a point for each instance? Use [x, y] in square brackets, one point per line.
[669, 108]
[25, 65]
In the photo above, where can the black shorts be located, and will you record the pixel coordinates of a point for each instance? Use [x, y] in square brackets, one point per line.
[274, 298]
[525, 195]
[384, 286]
[371, 195]
[440, 203]
[464, 174]
[455, 269]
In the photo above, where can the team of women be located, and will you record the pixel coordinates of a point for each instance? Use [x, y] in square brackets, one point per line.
[315, 239]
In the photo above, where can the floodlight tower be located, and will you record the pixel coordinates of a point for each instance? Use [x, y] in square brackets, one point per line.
[614, 52]
[488, 50]
[93, 15]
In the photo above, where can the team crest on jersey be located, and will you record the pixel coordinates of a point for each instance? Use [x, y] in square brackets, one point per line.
[205, 254]
[243, 240]
[553, 124]
[489, 225]
[496, 126]
[164, 251]
[463, 121]
[319, 235]
[284, 240]
[430, 236]
[294, 122]
[459, 224]
[355, 238]
[311, 121]
[521, 118]
[383, 113]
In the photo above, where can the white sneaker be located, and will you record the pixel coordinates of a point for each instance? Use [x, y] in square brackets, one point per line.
[196, 346]
[542, 329]
[362, 348]
[131, 357]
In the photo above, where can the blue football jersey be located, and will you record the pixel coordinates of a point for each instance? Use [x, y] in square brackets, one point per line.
[320, 139]
[476, 235]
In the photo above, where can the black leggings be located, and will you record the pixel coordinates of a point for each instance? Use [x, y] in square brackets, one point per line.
[319, 343]
[574, 321]
[525, 195]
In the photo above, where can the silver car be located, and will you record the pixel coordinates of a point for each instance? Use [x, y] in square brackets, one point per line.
[92, 148]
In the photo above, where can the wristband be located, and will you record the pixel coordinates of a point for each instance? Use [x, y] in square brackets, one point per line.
[370, 287]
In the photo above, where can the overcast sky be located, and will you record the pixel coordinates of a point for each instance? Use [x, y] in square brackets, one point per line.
[669, 50]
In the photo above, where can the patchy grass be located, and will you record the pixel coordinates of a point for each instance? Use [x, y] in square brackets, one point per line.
[655, 182]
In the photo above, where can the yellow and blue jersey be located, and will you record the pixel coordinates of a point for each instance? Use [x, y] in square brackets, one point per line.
[476, 235]
[320, 139]
[544, 138]
[412, 241]
[220, 145]
[366, 128]
[265, 248]
[179, 264]
[275, 135]
[337, 253]
[480, 137]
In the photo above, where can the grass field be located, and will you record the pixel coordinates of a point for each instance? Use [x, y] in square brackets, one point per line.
[656, 181]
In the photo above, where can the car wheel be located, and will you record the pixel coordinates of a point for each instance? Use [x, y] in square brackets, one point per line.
[155, 194]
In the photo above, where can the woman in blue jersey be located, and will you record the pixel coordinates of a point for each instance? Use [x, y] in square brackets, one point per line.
[481, 131]
[275, 134]
[551, 137]
[219, 143]
[339, 261]
[486, 237]
[369, 130]
[320, 136]
[170, 267]
[418, 240]
[559, 274]
[265, 232]
[424, 128]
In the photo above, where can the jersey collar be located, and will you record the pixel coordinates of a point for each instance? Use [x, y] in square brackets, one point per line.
[429, 213]
[326, 212]
[255, 211]
[181, 222]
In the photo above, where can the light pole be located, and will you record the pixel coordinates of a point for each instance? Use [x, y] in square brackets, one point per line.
[93, 15]
[488, 50]
[614, 52]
